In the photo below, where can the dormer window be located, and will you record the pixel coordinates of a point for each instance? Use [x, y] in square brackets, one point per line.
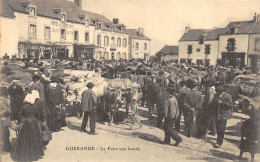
[32, 11]
[63, 17]
[99, 25]
[232, 31]
[201, 39]
[86, 22]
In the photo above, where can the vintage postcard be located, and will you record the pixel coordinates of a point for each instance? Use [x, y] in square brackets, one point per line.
[129, 80]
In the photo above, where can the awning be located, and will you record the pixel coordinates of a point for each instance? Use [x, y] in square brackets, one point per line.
[257, 56]
[87, 45]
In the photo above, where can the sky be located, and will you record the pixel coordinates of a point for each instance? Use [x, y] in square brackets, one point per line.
[164, 21]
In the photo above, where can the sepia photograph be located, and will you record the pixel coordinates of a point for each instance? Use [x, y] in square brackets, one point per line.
[129, 80]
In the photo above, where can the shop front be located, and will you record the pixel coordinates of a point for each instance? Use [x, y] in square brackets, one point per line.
[34, 50]
[233, 59]
[254, 62]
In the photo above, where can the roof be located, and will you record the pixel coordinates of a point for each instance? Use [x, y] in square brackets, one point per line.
[133, 33]
[45, 8]
[6, 10]
[169, 50]
[194, 34]
[256, 28]
[244, 27]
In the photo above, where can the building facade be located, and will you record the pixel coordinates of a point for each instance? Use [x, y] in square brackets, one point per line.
[139, 44]
[236, 45]
[254, 47]
[47, 29]
[168, 53]
[239, 45]
[199, 46]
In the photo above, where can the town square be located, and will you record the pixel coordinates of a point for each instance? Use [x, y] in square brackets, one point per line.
[129, 80]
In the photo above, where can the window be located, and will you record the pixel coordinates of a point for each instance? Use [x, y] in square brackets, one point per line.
[118, 42]
[125, 43]
[238, 61]
[136, 55]
[112, 40]
[199, 62]
[63, 17]
[145, 46]
[106, 41]
[182, 60]
[86, 22]
[201, 39]
[189, 49]
[106, 56]
[32, 31]
[118, 56]
[197, 49]
[136, 45]
[99, 40]
[232, 31]
[207, 49]
[257, 44]
[63, 34]
[47, 33]
[124, 55]
[99, 26]
[231, 44]
[112, 28]
[86, 37]
[76, 35]
[32, 11]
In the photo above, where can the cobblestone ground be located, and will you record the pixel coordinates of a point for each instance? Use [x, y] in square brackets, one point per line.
[138, 141]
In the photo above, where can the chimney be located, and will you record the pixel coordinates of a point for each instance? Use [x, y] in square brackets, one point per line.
[116, 21]
[140, 31]
[257, 17]
[78, 3]
[187, 28]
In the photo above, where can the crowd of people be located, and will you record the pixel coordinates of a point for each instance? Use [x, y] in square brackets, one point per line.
[203, 100]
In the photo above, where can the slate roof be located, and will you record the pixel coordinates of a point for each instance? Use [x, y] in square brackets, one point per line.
[45, 8]
[6, 10]
[133, 33]
[244, 27]
[169, 50]
[256, 28]
[211, 34]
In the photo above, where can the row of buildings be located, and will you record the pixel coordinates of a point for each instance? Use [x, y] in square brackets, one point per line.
[238, 44]
[47, 29]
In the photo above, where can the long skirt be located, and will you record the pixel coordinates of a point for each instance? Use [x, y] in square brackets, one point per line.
[55, 121]
[29, 145]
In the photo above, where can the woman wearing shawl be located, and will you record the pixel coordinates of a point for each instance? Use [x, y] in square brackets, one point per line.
[29, 145]
[55, 102]
[250, 135]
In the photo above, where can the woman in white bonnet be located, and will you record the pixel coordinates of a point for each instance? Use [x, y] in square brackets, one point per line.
[29, 145]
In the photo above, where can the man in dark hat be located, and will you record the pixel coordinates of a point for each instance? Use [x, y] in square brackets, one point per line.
[111, 105]
[146, 81]
[180, 98]
[129, 100]
[5, 112]
[222, 106]
[89, 106]
[207, 120]
[171, 112]
[192, 106]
